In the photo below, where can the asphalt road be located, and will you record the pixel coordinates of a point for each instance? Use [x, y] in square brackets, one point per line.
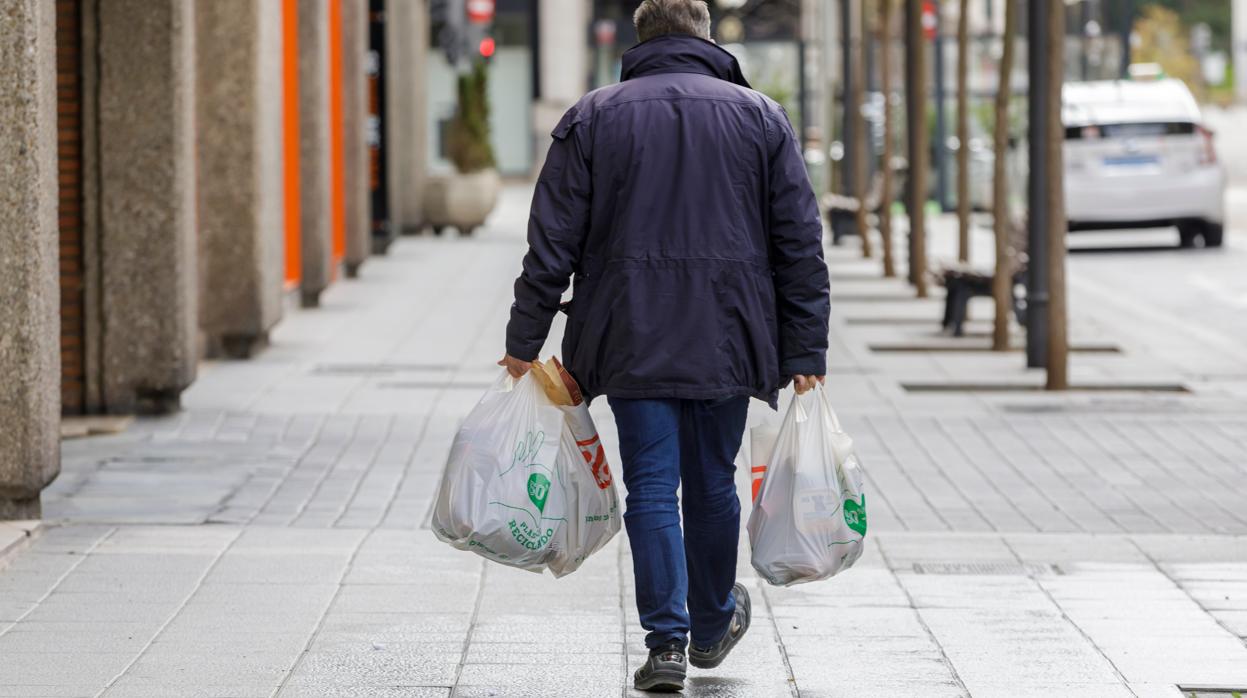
[1192, 301]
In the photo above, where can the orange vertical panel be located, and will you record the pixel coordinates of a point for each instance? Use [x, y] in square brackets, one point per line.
[290, 134]
[337, 176]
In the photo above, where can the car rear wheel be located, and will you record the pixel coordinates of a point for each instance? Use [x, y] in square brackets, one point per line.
[1213, 234]
[1188, 233]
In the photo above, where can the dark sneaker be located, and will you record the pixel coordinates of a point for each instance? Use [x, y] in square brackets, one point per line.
[713, 656]
[663, 672]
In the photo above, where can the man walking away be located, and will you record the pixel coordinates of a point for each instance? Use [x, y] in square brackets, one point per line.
[678, 203]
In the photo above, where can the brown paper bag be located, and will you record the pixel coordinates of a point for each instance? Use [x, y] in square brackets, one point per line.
[557, 383]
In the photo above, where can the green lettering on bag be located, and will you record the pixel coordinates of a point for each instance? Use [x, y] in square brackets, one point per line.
[538, 489]
[855, 514]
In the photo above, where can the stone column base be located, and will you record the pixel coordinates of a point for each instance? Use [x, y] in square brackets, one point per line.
[19, 509]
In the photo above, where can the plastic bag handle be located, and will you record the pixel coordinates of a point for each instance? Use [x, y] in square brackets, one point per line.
[831, 413]
[505, 383]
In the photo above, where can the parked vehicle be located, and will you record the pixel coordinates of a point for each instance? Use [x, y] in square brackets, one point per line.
[1138, 154]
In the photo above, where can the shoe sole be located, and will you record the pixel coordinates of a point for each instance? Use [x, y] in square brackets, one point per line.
[661, 682]
[712, 662]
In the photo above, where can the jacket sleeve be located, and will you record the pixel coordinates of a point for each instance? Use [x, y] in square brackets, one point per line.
[802, 287]
[557, 225]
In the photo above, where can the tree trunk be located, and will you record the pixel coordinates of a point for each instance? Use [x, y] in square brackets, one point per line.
[1058, 342]
[963, 133]
[916, 127]
[861, 188]
[885, 195]
[1002, 282]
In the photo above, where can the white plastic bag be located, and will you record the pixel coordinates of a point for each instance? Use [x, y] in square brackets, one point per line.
[809, 517]
[527, 483]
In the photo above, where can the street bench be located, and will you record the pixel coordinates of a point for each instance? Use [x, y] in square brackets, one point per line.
[842, 210]
[961, 283]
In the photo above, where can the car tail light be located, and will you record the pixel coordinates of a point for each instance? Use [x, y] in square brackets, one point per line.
[1209, 155]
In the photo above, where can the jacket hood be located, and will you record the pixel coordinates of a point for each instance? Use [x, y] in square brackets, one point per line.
[678, 53]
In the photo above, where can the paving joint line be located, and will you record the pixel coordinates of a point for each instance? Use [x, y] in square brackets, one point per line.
[973, 463]
[467, 640]
[1080, 426]
[1056, 604]
[320, 622]
[176, 612]
[1172, 476]
[1182, 588]
[372, 462]
[978, 428]
[952, 669]
[337, 456]
[907, 425]
[60, 580]
[322, 420]
[870, 421]
[1010, 423]
[793, 688]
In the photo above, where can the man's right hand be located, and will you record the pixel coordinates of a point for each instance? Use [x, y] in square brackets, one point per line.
[514, 366]
[803, 384]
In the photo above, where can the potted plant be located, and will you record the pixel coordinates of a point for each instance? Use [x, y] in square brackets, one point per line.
[466, 197]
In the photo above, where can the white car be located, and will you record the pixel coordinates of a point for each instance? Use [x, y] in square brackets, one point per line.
[1138, 155]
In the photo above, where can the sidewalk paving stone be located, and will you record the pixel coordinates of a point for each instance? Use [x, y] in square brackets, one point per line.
[272, 539]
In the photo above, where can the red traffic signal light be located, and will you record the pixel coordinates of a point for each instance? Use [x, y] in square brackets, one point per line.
[487, 47]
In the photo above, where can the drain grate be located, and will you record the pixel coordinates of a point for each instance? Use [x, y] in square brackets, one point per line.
[1034, 388]
[1196, 691]
[1016, 569]
[437, 385]
[956, 346]
[378, 369]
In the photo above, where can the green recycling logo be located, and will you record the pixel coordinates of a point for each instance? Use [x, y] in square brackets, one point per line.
[854, 514]
[538, 490]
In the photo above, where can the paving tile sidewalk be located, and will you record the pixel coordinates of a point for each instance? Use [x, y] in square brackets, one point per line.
[272, 539]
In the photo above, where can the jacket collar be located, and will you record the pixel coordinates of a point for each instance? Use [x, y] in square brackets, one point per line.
[679, 53]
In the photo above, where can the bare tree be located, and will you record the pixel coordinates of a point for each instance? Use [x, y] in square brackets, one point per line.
[885, 78]
[963, 132]
[1058, 339]
[1002, 282]
[916, 127]
[857, 44]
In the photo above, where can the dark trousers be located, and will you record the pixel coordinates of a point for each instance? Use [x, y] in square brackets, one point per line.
[683, 581]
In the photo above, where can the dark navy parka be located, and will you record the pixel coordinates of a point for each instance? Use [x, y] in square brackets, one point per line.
[678, 203]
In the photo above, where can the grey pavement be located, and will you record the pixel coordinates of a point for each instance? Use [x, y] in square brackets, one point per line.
[271, 540]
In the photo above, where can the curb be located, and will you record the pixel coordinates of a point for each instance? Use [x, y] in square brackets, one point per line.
[15, 536]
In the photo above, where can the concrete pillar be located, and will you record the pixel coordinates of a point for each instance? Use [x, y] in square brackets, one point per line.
[354, 138]
[29, 296]
[314, 145]
[407, 55]
[146, 179]
[562, 32]
[239, 52]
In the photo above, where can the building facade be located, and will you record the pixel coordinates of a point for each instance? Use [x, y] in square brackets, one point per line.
[173, 171]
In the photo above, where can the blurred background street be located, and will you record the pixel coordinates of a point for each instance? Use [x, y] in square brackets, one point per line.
[256, 262]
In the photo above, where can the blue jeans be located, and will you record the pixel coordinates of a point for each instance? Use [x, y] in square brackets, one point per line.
[683, 582]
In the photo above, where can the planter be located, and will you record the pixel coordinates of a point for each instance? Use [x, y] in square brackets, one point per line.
[463, 201]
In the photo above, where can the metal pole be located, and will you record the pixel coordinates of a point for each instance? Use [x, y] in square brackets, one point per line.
[941, 125]
[1037, 187]
[1084, 61]
[848, 127]
[1127, 28]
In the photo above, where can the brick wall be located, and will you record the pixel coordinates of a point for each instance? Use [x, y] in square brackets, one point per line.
[69, 143]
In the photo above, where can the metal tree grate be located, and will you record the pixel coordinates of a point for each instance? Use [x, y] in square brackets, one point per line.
[986, 568]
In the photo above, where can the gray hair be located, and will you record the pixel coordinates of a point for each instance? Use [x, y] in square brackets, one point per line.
[660, 17]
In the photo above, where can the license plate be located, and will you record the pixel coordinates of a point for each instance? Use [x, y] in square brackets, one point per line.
[1132, 161]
